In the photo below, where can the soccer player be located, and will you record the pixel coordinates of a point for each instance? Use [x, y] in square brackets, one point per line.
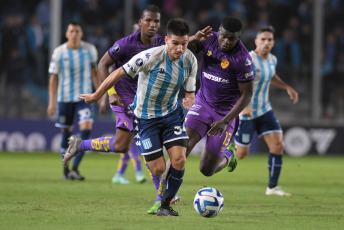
[71, 67]
[225, 90]
[258, 116]
[123, 93]
[158, 118]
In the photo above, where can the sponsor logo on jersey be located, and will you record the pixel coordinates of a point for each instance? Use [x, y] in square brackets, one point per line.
[139, 62]
[115, 48]
[196, 107]
[132, 70]
[193, 113]
[125, 123]
[209, 53]
[248, 62]
[215, 78]
[161, 71]
[224, 63]
[147, 144]
[249, 74]
[147, 55]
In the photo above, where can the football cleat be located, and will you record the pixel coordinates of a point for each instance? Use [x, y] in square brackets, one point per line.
[175, 199]
[234, 161]
[73, 149]
[154, 208]
[75, 175]
[140, 177]
[166, 211]
[277, 191]
[120, 179]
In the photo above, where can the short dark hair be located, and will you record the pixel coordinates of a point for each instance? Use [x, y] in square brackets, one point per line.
[266, 29]
[74, 23]
[151, 8]
[231, 24]
[177, 26]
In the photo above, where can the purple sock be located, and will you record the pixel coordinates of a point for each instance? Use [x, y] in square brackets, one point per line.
[229, 155]
[123, 163]
[135, 157]
[156, 182]
[103, 144]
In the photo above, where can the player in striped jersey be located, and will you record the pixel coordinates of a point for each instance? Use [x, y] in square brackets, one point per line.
[158, 118]
[72, 68]
[258, 115]
[123, 93]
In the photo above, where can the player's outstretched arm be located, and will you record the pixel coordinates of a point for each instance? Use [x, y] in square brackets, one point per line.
[189, 100]
[111, 80]
[276, 81]
[200, 36]
[246, 89]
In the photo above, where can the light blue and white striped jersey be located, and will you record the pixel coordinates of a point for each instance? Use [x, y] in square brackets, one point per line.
[159, 80]
[73, 67]
[264, 70]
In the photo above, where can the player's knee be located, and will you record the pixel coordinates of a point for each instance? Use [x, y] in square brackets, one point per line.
[179, 162]
[206, 172]
[158, 170]
[121, 148]
[279, 147]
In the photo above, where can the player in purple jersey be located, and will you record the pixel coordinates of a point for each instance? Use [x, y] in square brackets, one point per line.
[123, 93]
[225, 90]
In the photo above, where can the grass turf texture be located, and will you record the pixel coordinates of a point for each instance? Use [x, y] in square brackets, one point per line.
[33, 195]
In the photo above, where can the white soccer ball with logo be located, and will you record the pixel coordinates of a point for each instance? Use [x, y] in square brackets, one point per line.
[208, 202]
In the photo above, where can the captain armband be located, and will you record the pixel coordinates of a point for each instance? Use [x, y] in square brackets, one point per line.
[111, 91]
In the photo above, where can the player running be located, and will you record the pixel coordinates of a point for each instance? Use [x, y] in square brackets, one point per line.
[225, 90]
[123, 93]
[158, 118]
[258, 116]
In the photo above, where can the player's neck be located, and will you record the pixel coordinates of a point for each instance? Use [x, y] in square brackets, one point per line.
[147, 41]
[73, 46]
[261, 55]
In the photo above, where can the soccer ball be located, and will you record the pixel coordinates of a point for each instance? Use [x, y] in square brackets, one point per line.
[208, 202]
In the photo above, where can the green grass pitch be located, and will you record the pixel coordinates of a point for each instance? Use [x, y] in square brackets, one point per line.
[33, 195]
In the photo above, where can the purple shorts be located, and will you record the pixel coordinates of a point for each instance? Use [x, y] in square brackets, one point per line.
[200, 117]
[124, 119]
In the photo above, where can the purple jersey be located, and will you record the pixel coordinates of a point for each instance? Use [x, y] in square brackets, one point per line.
[221, 73]
[121, 52]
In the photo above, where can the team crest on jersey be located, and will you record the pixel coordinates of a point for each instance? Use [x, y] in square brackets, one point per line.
[209, 53]
[147, 144]
[224, 63]
[115, 48]
[187, 71]
[139, 62]
[161, 71]
[125, 123]
[248, 62]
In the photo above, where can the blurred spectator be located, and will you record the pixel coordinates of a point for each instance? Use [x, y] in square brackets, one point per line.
[43, 12]
[35, 36]
[100, 40]
[14, 70]
[288, 53]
